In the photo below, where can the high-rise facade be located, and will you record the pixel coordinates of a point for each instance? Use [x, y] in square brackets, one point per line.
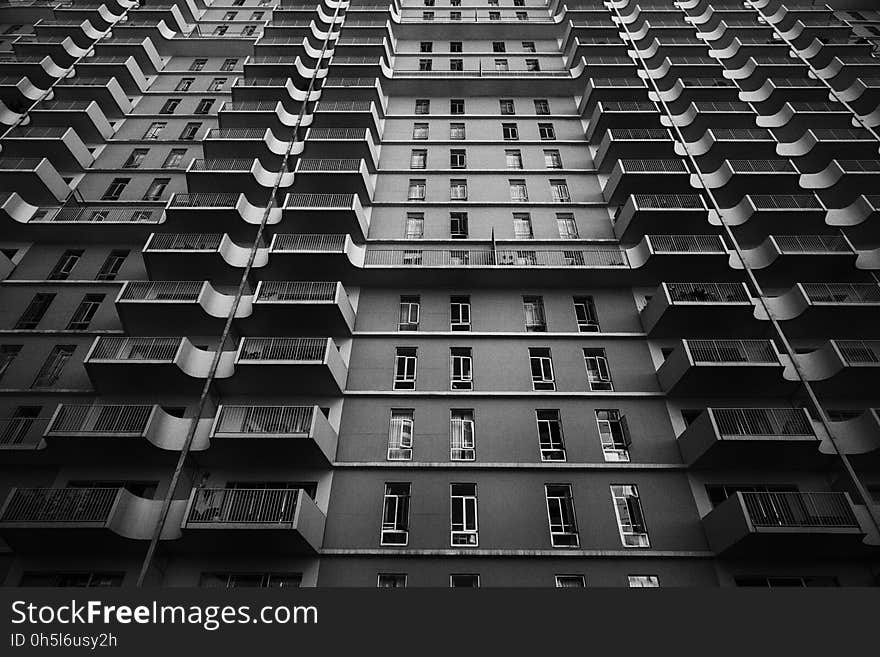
[438, 293]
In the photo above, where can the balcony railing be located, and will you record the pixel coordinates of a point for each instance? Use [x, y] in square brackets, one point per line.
[162, 291]
[243, 505]
[184, 242]
[732, 351]
[859, 352]
[349, 164]
[107, 214]
[264, 420]
[136, 349]
[19, 163]
[687, 244]
[653, 166]
[668, 201]
[286, 349]
[236, 133]
[92, 419]
[223, 164]
[350, 82]
[707, 292]
[786, 201]
[812, 243]
[639, 134]
[799, 510]
[489, 258]
[842, 292]
[337, 133]
[320, 201]
[40, 505]
[762, 422]
[761, 166]
[21, 430]
[205, 200]
[297, 291]
[34, 132]
[344, 106]
[308, 242]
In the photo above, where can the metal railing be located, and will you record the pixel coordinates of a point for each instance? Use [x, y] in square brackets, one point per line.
[616, 82]
[122, 349]
[344, 201]
[859, 352]
[287, 349]
[799, 510]
[639, 134]
[842, 292]
[668, 201]
[347, 164]
[785, 201]
[344, 106]
[223, 164]
[279, 291]
[21, 430]
[63, 105]
[206, 200]
[34, 132]
[707, 292]
[761, 422]
[309, 242]
[60, 504]
[184, 242]
[761, 166]
[236, 133]
[653, 166]
[859, 166]
[732, 351]
[108, 214]
[627, 106]
[686, 243]
[501, 258]
[90, 419]
[263, 420]
[19, 163]
[350, 82]
[812, 244]
[243, 505]
[337, 133]
[162, 291]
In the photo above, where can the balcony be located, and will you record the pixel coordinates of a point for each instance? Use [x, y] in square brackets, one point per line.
[818, 146]
[211, 213]
[718, 145]
[300, 308]
[328, 143]
[293, 255]
[736, 178]
[842, 367]
[170, 256]
[757, 216]
[646, 176]
[328, 213]
[283, 432]
[255, 143]
[137, 365]
[649, 213]
[330, 176]
[755, 524]
[843, 181]
[246, 174]
[813, 310]
[631, 89]
[125, 70]
[717, 367]
[84, 116]
[782, 259]
[104, 90]
[790, 122]
[106, 223]
[763, 437]
[719, 309]
[625, 143]
[701, 116]
[621, 114]
[860, 219]
[23, 434]
[311, 366]
[34, 179]
[237, 520]
[349, 114]
[661, 257]
[77, 520]
[61, 146]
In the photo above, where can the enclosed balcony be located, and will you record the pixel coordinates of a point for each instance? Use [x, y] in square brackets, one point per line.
[288, 366]
[814, 310]
[763, 437]
[300, 308]
[719, 309]
[244, 519]
[783, 259]
[842, 368]
[647, 176]
[330, 176]
[289, 432]
[718, 367]
[755, 524]
[328, 213]
[650, 213]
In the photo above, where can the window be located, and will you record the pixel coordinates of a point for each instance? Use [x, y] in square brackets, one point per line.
[509, 131]
[513, 158]
[155, 130]
[170, 106]
[533, 65]
[598, 373]
[456, 131]
[519, 3]
[542, 106]
[552, 159]
[559, 191]
[391, 581]
[585, 312]
[507, 106]
[256, 16]
[204, 106]
[415, 225]
[190, 130]
[463, 515]
[72, 580]
[501, 65]
[156, 189]
[494, 15]
[400, 434]
[423, 106]
[522, 16]
[518, 191]
[550, 439]
[418, 159]
[455, 46]
[560, 511]
[522, 226]
[458, 189]
[570, 582]
[787, 581]
[420, 130]
[230, 15]
[458, 225]
[248, 30]
[220, 30]
[566, 226]
[461, 374]
[416, 190]
[462, 437]
[426, 46]
[198, 64]
[51, 370]
[542, 368]
[184, 84]
[409, 314]
[229, 64]
[456, 106]
[455, 15]
[425, 64]
[427, 15]
[8, 352]
[643, 581]
[614, 434]
[217, 84]
[458, 158]
[61, 270]
[456, 64]
[460, 313]
[174, 159]
[112, 265]
[35, 310]
[498, 46]
[533, 308]
[226, 580]
[464, 581]
[395, 514]
[546, 131]
[115, 189]
[630, 520]
[84, 313]
[136, 158]
[528, 46]
[405, 368]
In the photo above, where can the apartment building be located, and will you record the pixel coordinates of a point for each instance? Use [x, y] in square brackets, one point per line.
[438, 293]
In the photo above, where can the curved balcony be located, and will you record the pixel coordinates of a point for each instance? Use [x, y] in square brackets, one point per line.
[295, 255]
[84, 116]
[772, 94]
[648, 177]
[860, 220]
[795, 117]
[247, 174]
[621, 114]
[661, 257]
[848, 310]
[349, 114]
[62, 146]
[763, 437]
[328, 213]
[843, 367]
[685, 91]
[170, 256]
[627, 143]
[736, 178]
[300, 308]
[210, 213]
[719, 367]
[124, 69]
[141, 48]
[758, 216]
[330, 143]
[719, 309]
[104, 90]
[701, 116]
[844, 180]
[859, 435]
[331, 176]
[34, 179]
[647, 213]
[783, 259]
[720, 144]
